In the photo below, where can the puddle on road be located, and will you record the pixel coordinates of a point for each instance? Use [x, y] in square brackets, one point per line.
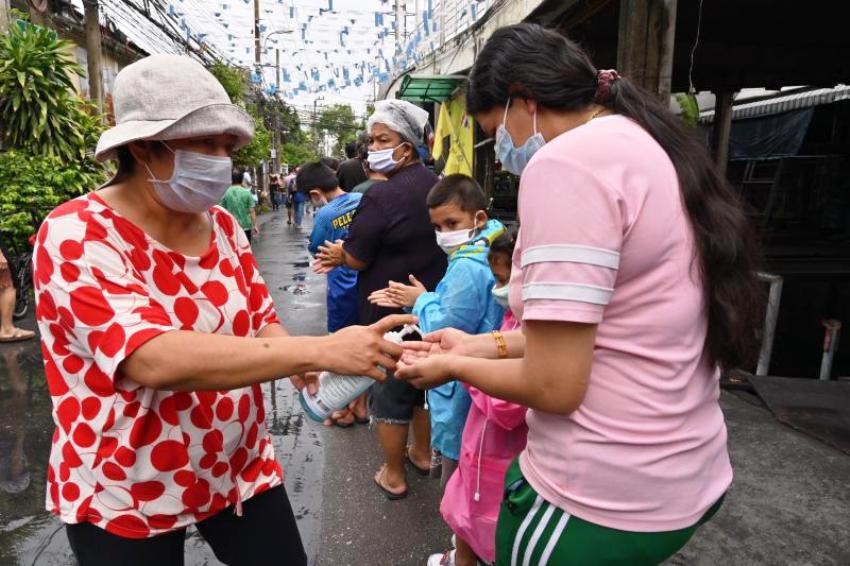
[300, 289]
[28, 534]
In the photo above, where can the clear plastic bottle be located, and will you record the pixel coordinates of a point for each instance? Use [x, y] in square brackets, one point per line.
[337, 391]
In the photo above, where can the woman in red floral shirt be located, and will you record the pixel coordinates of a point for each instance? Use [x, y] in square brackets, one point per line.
[157, 329]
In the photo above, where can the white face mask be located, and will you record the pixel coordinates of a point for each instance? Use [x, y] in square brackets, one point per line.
[198, 182]
[450, 241]
[382, 161]
[501, 294]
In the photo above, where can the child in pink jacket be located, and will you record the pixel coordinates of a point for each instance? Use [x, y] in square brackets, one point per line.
[495, 434]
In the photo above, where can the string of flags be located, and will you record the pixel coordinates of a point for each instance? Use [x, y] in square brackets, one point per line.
[338, 45]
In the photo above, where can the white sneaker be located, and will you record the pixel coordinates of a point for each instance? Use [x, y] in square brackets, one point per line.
[445, 559]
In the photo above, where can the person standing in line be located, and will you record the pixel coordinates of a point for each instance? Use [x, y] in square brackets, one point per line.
[351, 172]
[299, 201]
[494, 435]
[239, 202]
[8, 295]
[332, 222]
[372, 177]
[275, 191]
[390, 238]
[634, 278]
[462, 300]
[289, 193]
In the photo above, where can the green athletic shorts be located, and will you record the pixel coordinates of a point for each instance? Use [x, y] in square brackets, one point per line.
[533, 532]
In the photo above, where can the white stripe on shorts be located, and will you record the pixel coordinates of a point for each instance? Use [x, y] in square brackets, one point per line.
[538, 532]
[553, 540]
[524, 527]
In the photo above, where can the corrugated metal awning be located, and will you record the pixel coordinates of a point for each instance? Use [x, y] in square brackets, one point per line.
[429, 88]
[783, 103]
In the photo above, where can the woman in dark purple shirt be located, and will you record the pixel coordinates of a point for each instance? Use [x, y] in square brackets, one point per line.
[390, 239]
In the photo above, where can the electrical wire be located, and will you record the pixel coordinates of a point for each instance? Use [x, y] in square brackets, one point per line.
[691, 89]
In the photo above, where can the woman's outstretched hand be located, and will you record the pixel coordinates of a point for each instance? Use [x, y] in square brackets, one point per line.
[445, 341]
[360, 350]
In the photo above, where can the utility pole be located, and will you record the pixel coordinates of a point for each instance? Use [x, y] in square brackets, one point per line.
[399, 15]
[276, 133]
[259, 70]
[257, 46]
[93, 52]
[4, 16]
[442, 23]
[316, 122]
[315, 125]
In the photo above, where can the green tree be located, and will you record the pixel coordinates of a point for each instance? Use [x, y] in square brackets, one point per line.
[38, 183]
[294, 154]
[233, 79]
[259, 148]
[338, 123]
[41, 111]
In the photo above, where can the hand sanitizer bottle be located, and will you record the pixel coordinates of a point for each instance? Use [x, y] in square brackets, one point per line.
[337, 391]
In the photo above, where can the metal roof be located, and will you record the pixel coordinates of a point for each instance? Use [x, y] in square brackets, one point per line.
[783, 103]
[429, 88]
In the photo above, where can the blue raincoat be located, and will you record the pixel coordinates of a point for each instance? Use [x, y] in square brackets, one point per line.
[462, 300]
[331, 224]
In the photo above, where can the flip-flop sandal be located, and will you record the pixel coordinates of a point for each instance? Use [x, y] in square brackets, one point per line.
[19, 336]
[362, 420]
[392, 496]
[424, 472]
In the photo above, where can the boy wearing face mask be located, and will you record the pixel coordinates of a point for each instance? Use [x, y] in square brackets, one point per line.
[494, 435]
[462, 299]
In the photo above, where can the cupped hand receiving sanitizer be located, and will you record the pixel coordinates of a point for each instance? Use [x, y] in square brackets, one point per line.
[398, 295]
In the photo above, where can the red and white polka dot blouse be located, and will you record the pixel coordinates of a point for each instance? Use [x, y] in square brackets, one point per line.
[130, 459]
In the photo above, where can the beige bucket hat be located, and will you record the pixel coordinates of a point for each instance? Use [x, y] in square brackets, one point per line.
[168, 97]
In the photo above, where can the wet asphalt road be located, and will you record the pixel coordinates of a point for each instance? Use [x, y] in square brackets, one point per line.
[342, 517]
[789, 503]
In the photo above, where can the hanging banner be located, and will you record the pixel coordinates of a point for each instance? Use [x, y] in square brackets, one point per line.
[453, 143]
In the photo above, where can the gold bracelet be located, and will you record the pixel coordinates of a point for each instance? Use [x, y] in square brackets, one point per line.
[501, 346]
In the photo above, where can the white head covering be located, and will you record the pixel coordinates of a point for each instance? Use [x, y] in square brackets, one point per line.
[402, 117]
[168, 97]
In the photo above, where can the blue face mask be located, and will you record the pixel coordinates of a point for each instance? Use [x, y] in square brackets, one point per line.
[514, 159]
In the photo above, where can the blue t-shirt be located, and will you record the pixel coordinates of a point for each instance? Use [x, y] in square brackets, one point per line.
[331, 224]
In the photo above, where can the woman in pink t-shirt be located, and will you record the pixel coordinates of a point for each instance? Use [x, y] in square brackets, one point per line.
[634, 280]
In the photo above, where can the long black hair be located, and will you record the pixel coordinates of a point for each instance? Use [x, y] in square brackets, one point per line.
[529, 61]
